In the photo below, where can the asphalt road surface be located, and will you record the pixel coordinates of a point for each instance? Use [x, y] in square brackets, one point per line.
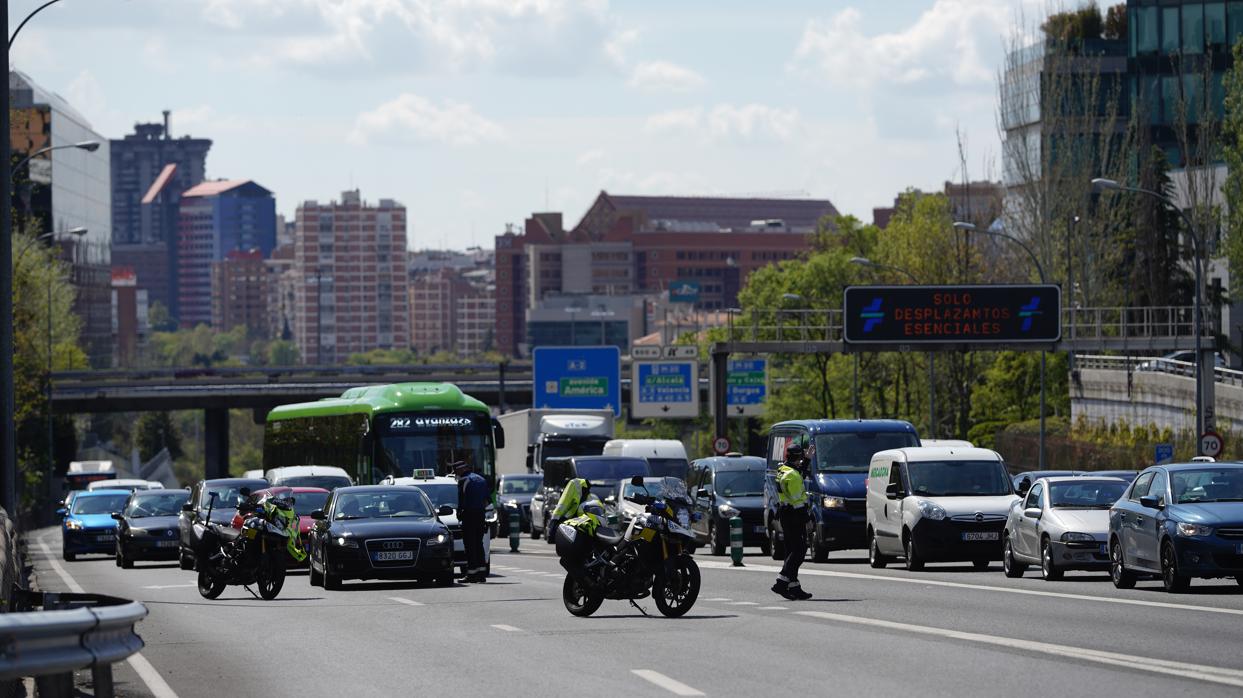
[947, 631]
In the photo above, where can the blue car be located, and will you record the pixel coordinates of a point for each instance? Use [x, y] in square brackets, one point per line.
[88, 526]
[839, 451]
[1179, 521]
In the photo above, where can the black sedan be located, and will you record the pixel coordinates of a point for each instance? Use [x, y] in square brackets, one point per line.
[380, 532]
[515, 493]
[147, 527]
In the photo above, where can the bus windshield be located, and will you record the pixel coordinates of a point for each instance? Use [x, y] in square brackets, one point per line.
[433, 441]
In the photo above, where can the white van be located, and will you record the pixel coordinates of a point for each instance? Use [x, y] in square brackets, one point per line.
[664, 456]
[326, 476]
[939, 504]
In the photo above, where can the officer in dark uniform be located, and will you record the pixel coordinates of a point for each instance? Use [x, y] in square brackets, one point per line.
[473, 495]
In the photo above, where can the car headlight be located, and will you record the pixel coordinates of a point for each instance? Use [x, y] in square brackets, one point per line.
[136, 532]
[931, 510]
[727, 511]
[833, 502]
[438, 539]
[1076, 537]
[1194, 530]
[490, 517]
[512, 504]
[73, 524]
[346, 542]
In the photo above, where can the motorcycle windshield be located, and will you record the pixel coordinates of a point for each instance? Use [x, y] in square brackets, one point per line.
[675, 490]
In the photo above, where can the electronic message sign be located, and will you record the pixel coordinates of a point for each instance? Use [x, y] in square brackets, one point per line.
[952, 315]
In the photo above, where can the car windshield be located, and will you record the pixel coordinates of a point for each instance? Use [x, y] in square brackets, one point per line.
[673, 467]
[99, 504]
[381, 505]
[739, 483]
[847, 452]
[520, 485]
[577, 447]
[962, 478]
[611, 468]
[306, 502]
[156, 505]
[440, 494]
[1207, 485]
[655, 487]
[328, 482]
[227, 497]
[1085, 494]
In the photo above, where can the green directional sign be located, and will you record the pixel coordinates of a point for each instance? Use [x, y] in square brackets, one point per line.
[590, 386]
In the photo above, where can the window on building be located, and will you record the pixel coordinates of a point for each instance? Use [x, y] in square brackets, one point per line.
[1170, 99]
[1170, 38]
[1215, 26]
[1193, 28]
[1234, 21]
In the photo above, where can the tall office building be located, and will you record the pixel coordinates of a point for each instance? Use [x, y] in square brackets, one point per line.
[150, 170]
[239, 292]
[215, 219]
[350, 258]
[62, 190]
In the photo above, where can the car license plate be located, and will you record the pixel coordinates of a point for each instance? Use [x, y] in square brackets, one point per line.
[390, 555]
[758, 529]
[1105, 548]
[104, 538]
[1241, 548]
[165, 543]
[981, 535]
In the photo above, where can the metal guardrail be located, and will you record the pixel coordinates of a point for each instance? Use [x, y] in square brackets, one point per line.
[75, 631]
[294, 374]
[1227, 376]
[1080, 324]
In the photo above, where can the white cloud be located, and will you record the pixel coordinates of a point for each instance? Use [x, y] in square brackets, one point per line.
[589, 157]
[664, 76]
[955, 40]
[411, 118]
[86, 94]
[728, 122]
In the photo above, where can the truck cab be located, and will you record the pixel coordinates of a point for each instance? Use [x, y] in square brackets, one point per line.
[562, 436]
[839, 452]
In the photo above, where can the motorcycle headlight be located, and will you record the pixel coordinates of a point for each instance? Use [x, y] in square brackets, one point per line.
[727, 511]
[833, 502]
[346, 542]
[490, 517]
[73, 524]
[1189, 530]
[1076, 537]
[931, 510]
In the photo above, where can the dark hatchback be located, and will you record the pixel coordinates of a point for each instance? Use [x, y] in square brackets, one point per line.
[1179, 522]
[514, 492]
[380, 532]
[229, 491]
[724, 487]
[147, 527]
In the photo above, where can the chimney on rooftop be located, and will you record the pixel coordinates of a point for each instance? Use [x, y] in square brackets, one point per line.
[167, 135]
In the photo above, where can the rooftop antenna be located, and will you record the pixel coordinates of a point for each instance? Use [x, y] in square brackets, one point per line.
[546, 204]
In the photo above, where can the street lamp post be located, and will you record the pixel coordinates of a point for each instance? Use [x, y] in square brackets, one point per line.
[932, 390]
[971, 227]
[574, 310]
[602, 312]
[1103, 185]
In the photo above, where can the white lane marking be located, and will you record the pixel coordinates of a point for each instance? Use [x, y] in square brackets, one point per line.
[155, 683]
[772, 608]
[1201, 672]
[408, 602]
[717, 599]
[742, 603]
[977, 587]
[170, 586]
[675, 687]
[508, 628]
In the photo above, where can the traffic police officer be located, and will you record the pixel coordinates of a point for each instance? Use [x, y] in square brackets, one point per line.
[473, 495]
[575, 546]
[569, 506]
[792, 507]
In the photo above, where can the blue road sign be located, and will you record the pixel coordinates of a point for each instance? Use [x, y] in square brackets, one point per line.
[746, 386]
[1164, 453]
[577, 378]
[665, 389]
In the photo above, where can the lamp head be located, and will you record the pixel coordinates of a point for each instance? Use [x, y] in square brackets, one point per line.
[862, 261]
[88, 146]
[76, 232]
[963, 225]
[1101, 184]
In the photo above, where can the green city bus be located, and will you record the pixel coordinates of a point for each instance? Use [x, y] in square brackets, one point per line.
[381, 430]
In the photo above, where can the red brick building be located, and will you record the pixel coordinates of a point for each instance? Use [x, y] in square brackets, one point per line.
[239, 292]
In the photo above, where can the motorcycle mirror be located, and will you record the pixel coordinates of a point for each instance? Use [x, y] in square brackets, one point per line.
[444, 510]
[318, 515]
[245, 491]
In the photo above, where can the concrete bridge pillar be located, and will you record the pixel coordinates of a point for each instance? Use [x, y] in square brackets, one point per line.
[216, 443]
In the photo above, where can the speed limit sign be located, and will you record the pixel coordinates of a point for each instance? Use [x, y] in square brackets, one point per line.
[1211, 444]
[721, 445]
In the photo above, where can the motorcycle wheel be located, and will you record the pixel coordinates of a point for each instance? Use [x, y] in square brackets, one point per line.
[271, 579]
[681, 589]
[578, 600]
[209, 587]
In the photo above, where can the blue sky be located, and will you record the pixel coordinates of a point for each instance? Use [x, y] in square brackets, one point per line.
[474, 113]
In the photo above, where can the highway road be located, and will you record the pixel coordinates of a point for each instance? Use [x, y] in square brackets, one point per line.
[949, 631]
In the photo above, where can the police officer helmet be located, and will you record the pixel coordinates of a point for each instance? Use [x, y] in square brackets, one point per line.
[593, 506]
[794, 452]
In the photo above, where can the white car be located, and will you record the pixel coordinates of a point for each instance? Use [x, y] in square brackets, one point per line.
[937, 505]
[442, 491]
[1062, 524]
[123, 484]
[326, 476]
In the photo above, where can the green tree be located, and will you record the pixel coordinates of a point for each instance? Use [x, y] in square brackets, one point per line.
[1232, 135]
[155, 431]
[1154, 257]
[283, 353]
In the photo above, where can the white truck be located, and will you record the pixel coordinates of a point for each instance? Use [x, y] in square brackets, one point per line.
[532, 436]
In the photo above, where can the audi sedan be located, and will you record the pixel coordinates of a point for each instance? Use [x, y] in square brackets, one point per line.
[1062, 524]
[1180, 522]
[147, 527]
[380, 532]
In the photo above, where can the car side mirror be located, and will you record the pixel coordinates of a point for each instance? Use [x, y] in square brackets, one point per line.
[444, 510]
[117, 515]
[498, 433]
[637, 480]
[187, 507]
[1032, 513]
[1023, 487]
[319, 515]
[62, 512]
[1151, 501]
[893, 490]
[704, 492]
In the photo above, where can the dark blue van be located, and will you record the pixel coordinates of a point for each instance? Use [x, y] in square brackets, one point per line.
[840, 451]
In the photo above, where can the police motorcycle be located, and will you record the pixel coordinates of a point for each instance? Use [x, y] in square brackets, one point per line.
[652, 557]
[255, 554]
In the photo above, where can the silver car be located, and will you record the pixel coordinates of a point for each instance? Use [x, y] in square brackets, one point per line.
[1061, 524]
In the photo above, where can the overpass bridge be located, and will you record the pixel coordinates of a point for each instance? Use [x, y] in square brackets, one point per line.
[1143, 391]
